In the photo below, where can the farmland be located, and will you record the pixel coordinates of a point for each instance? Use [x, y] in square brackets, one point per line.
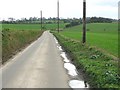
[30, 26]
[101, 35]
[16, 36]
[92, 58]
[60, 44]
[96, 58]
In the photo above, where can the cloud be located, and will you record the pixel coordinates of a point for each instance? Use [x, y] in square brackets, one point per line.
[102, 11]
[68, 8]
[112, 3]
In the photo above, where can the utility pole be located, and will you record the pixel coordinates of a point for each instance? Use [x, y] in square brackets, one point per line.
[41, 19]
[58, 14]
[84, 22]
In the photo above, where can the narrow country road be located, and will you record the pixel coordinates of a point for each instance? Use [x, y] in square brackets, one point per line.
[38, 66]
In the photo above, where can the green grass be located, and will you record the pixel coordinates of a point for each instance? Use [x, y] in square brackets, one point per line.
[14, 40]
[16, 36]
[100, 70]
[30, 26]
[102, 35]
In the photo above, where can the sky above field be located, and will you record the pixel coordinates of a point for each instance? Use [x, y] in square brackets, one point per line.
[68, 8]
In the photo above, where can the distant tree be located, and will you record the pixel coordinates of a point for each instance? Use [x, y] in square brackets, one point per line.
[34, 19]
[11, 20]
[100, 20]
[67, 25]
[73, 23]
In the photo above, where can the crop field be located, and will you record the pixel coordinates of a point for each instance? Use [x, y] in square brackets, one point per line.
[99, 67]
[30, 26]
[101, 35]
[96, 57]
[16, 36]
[100, 70]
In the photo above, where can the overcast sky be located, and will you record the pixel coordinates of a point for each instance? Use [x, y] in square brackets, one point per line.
[68, 8]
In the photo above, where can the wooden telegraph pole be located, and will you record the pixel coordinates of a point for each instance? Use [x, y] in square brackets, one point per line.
[41, 19]
[58, 14]
[84, 22]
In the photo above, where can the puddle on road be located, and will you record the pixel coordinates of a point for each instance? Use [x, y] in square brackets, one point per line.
[78, 84]
[56, 41]
[71, 69]
[60, 48]
[65, 59]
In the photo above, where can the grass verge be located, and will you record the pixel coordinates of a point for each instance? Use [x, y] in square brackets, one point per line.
[101, 69]
[14, 40]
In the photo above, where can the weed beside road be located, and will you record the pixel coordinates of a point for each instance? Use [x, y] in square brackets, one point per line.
[14, 40]
[101, 70]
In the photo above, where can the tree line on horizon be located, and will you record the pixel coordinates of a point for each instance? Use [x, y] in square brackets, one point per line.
[70, 21]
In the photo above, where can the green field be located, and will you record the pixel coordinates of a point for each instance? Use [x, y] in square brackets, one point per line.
[97, 58]
[97, 66]
[16, 36]
[100, 70]
[30, 26]
[101, 35]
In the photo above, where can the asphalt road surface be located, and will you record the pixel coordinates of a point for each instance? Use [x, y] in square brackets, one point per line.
[37, 66]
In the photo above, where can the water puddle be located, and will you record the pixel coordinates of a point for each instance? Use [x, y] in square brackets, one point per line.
[78, 84]
[60, 48]
[56, 41]
[71, 69]
[76, 80]
[65, 59]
